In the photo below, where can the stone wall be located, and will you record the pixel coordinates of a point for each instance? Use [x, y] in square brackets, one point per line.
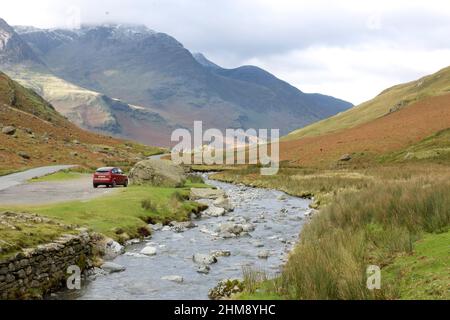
[35, 272]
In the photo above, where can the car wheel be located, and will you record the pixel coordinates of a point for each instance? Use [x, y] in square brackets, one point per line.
[125, 184]
[114, 184]
[95, 185]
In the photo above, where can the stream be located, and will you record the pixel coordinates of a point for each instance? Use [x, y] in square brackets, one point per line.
[276, 217]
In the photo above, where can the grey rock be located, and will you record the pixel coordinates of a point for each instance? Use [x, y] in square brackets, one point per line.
[214, 211]
[111, 267]
[112, 249]
[206, 193]
[225, 203]
[156, 172]
[24, 155]
[9, 130]
[204, 269]
[229, 227]
[221, 253]
[345, 157]
[204, 259]
[149, 251]
[173, 278]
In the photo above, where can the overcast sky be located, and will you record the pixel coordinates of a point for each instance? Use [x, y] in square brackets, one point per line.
[350, 49]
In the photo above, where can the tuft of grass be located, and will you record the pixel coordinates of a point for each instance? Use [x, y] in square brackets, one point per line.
[59, 176]
[194, 178]
[148, 205]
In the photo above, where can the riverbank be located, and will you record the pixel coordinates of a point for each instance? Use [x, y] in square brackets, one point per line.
[121, 215]
[367, 217]
[184, 261]
[35, 253]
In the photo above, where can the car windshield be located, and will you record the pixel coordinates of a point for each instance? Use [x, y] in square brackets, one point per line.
[102, 170]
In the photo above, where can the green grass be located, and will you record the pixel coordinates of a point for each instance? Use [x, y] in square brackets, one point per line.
[435, 148]
[120, 215]
[369, 216]
[405, 94]
[17, 234]
[425, 273]
[59, 176]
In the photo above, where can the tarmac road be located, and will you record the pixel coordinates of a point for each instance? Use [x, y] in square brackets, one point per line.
[16, 190]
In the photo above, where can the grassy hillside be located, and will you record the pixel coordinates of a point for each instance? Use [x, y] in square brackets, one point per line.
[42, 136]
[434, 148]
[385, 137]
[16, 96]
[390, 100]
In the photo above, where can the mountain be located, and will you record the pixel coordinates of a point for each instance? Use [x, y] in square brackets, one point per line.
[33, 133]
[12, 48]
[409, 121]
[153, 71]
[204, 61]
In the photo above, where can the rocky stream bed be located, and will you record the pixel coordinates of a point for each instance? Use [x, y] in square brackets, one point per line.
[247, 228]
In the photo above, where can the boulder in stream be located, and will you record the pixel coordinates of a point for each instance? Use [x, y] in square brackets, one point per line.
[204, 269]
[149, 251]
[111, 267]
[173, 278]
[230, 227]
[221, 253]
[109, 248]
[214, 211]
[204, 259]
[223, 202]
[206, 193]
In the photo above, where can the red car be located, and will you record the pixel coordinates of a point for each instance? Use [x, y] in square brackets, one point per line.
[109, 177]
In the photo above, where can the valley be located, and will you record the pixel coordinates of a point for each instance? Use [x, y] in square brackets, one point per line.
[357, 187]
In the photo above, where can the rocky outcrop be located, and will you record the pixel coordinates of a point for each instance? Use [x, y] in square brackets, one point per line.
[206, 193]
[35, 272]
[159, 173]
[9, 130]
